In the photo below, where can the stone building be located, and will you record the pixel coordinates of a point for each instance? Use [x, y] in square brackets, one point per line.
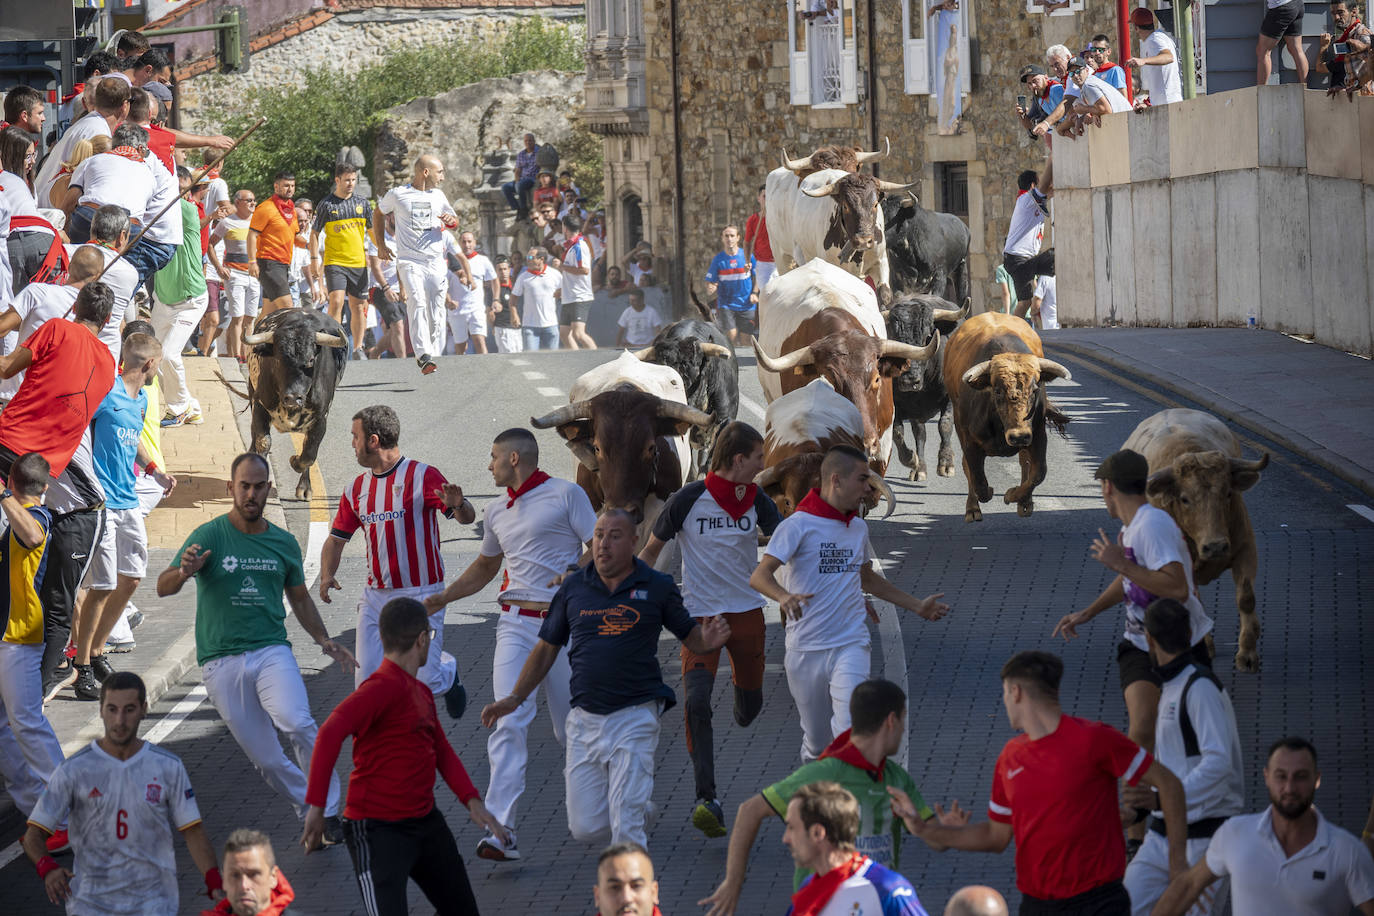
[695, 98]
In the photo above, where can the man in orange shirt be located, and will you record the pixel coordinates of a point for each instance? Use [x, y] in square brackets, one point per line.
[272, 234]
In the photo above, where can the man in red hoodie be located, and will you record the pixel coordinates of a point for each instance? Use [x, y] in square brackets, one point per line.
[253, 885]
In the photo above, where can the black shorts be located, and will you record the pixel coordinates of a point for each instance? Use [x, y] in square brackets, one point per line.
[1134, 665]
[391, 312]
[1108, 900]
[275, 279]
[1283, 21]
[743, 322]
[1024, 270]
[570, 312]
[352, 280]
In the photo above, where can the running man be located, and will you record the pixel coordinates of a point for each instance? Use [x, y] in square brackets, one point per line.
[395, 503]
[824, 546]
[468, 318]
[343, 218]
[120, 796]
[243, 564]
[576, 304]
[417, 215]
[395, 832]
[539, 529]
[730, 278]
[719, 520]
[274, 233]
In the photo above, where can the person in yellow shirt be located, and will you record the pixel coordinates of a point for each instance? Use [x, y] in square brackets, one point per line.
[343, 218]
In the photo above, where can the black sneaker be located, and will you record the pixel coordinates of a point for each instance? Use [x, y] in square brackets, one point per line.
[102, 667]
[61, 676]
[333, 831]
[456, 699]
[86, 686]
[427, 365]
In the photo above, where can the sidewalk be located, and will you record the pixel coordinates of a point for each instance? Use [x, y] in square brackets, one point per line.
[1314, 400]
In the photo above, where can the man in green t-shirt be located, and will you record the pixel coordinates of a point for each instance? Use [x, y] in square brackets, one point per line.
[242, 565]
[858, 760]
[180, 303]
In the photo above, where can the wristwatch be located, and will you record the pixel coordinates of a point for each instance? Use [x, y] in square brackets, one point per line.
[5, 494]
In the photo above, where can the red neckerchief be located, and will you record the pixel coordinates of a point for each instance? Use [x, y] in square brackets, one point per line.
[1046, 94]
[1345, 36]
[734, 498]
[843, 750]
[1104, 69]
[533, 481]
[282, 896]
[539, 272]
[816, 893]
[286, 208]
[814, 505]
[128, 152]
[571, 243]
[77, 89]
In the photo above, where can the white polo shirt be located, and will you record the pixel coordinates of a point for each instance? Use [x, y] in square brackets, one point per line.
[540, 534]
[1328, 877]
[538, 308]
[821, 557]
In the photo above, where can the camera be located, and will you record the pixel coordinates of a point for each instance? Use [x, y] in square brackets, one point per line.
[1341, 47]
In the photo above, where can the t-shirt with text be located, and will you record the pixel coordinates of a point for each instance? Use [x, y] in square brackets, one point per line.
[115, 432]
[822, 557]
[417, 214]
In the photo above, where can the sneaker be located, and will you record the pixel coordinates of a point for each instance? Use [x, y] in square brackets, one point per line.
[427, 365]
[119, 648]
[102, 668]
[360, 354]
[58, 843]
[193, 416]
[709, 818]
[135, 619]
[333, 831]
[190, 351]
[174, 419]
[491, 847]
[87, 687]
[63, 675]
[456, 699]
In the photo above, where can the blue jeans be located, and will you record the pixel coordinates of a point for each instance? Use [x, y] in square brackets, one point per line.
[148, 257]
[518, 193]
[79, 226]
[541, 338]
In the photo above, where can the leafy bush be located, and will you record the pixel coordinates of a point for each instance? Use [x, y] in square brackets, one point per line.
[309, 122]
[583, 155]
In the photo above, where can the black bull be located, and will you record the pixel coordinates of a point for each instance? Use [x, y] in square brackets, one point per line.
[919, 394]
[927, 252]
[700, 353]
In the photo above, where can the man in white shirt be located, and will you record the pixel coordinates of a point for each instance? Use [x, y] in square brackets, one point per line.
[576, 267]
[1096, 97]
[1287, 859]
[1197, 739]
[1158, 60]
[829, 567]
[109, 235]
[118, 177]
[467, 313]
[417, 214]
[1021, 255]
[111, 108]
[534, 298]
[38, 302]
[1043, 309]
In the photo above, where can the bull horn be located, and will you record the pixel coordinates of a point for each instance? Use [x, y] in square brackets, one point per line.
[578, 410]
[801, 357]
[910, 201]
[1243, 464]
[675, 411]
[329, 340]
[1054, 370]
[886, 491]
[874, 156]
[262, 337]
[975, 373]
[898, 350]
[795, 165]
[767, 477]
[646, 355]
[824, 191]
[585, 454]
[716, 350]
[958, 314]
[893, 187]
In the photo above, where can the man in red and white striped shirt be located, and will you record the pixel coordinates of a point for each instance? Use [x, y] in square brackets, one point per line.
[395, 502]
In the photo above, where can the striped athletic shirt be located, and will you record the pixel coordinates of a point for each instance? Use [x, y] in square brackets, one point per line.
[397, 509]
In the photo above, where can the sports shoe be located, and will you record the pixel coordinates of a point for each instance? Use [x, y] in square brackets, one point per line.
[427, 365]
[333, 831]
[491, 847]
[709, 818]
[63, 675]
[112, 647]
[57, 843]
[174, 419]
[87, 687]
[360, 354]
[102, 667]
[135, 618]
[456, 699]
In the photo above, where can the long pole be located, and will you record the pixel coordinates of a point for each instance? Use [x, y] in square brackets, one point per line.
[1123, 43]
[1183, 24]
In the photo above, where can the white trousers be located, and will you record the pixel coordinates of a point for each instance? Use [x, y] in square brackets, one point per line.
[257, 694]
[426, 286]
[507, 748]
[439, 670]
[610, 773]
[173, 324]
[509, 340]
[821, 681]
[763, 272]
[29, 750]
[1148, 875]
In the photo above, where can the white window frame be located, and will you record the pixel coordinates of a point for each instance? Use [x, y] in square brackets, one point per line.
[917, 52]
[799, 62]
[1037, 7]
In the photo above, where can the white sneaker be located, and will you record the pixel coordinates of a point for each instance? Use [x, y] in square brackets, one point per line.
[491, 847]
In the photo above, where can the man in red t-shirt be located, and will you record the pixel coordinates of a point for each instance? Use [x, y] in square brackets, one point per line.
[1054, 790]
[756, 245]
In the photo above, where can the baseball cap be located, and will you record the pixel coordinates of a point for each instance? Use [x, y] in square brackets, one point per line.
[1125, 466]
[159, 91]
[1078, 63]
[1031, 70]
[1142, 17]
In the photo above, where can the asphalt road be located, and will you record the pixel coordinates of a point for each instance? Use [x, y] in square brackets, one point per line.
[1008, 580]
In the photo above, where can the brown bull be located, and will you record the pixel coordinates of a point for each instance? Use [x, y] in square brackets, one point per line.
[848, 158]
[1197, 475]
[995, 372]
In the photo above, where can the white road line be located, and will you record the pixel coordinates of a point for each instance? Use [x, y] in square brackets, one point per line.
[531, 375]
[314, 543]
[168, 723]
[752, 406]
[519, 362]
[1362, 511]
[10, 853]
[549, 392]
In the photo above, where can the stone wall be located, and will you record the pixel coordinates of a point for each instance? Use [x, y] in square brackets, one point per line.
[348, 42]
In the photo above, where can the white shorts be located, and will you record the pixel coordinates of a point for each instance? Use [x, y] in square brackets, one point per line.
[122, 550]
[464, 324]
[509, 340]
[244, 296]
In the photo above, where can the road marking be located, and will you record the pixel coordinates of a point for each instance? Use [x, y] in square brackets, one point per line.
[533, 375]
[752, 406]
[1363, 511]
[10, 853]
[318, 502]
[519, 362]
[168, 723]
[548, 392]
[314, 545]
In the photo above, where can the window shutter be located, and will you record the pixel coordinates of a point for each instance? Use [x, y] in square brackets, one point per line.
[915, 58]
[849, 62]
[799, 61]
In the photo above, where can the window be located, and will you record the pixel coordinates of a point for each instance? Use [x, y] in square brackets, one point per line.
[951, 188]
[631, 222]
[822, 59]
[935, 43]
[1061, 7]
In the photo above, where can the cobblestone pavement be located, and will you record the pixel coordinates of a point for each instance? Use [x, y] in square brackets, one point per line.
[1008, 579]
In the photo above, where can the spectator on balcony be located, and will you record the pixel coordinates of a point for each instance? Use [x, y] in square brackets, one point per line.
[1282, 22]
[526, 173]
[1099, 54]
[1046, 95]
[1095, 96]
[1351, 67]
[1057, 59]
[1158, 60]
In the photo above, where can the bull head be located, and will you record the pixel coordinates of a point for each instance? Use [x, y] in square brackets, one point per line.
[804, 356]
[860, 157]
[582, 410]
[1196, 490]
[321, 338]
[829, 189]
[1015, 391]
[707, 349]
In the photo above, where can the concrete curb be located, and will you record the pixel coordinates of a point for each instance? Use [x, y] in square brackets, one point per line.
[1249, 418]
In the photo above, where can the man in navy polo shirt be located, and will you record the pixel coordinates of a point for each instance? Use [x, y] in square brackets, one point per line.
[609, 614]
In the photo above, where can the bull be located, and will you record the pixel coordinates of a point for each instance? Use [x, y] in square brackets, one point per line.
[995, 372]
[825, 323]
[848, 158]
[701, 354]
[627, 424]
[1197, 475]
[919, 394]
[296, 359]
[927, 252]
[799, 428]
